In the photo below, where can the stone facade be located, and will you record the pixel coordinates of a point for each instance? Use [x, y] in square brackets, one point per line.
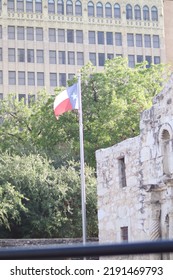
[135, 180]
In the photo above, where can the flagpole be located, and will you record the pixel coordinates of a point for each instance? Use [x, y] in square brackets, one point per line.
[83, 195]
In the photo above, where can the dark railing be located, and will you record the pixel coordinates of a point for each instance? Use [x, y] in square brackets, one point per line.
[87, 250]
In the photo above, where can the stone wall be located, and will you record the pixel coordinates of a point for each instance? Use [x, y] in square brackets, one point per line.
[142, 203]
[42, 242]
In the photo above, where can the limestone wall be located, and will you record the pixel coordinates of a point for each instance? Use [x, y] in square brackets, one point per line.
[142, 203]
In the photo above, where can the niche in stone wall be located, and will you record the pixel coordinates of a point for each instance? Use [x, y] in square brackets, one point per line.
[166, 151]
[166, 148]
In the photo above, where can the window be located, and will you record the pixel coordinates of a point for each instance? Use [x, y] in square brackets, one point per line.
[122, 169]
[154, 13]
[69, 7]
[52, 35]
[40, 79]
[11, 32]
[90, 9]
[129, 12]
[71, 76]
[80, 58]
[109, 38]
[92, 37]
[139, 40]
[1, 77]
[39, 34]
[12, 78]
[40, 56]
[92, 58]
[124, 233]
[0, 54]
[137, 12]
[118, 39]
[20, 33]
[11, 55]
[131, 61]
[78, 8]
[110, 56]
[156, 59]
[62, 79]
[31, 99]
[156, 41]
[29, 6]
[100, 37]
[140, 58]
[117, 11]
[60, 7]
[0, 31]
[146, 14]
[1, 96]
[30, 33]
[52, 57]
[22, 97]
[31, 78]
[21, 78]
[38, 6]
[21, 55]
[147, 41]
[71, 58]
[99, 9]
[148, 58]
[53, 79]
[70, 36]
[10, 5]
[30, 55]
[62, 58]
[20, 5]
[79, 36]
[51, 6]
[108, 10]
[101, 59]
[130, 40]
[61, 35]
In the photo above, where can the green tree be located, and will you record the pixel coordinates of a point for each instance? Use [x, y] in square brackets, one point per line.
[50, 196]
[112, 102]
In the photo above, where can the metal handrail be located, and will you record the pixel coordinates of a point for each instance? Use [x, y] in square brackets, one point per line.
[87, 250]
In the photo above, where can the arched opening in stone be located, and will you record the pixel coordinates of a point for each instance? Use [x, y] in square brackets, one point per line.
[166, 151]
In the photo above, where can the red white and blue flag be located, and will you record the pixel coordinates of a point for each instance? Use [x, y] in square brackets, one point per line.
[67, 100]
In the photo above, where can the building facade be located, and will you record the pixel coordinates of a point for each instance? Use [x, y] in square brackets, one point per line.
[44, 43]
[135, 180]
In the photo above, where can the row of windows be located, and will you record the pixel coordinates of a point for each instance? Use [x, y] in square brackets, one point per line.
[138, 40]
[136, 13]
[32, 34]
[69, 7]
[76, 36]
[35, 79]
[99, 59]
[60, 57]
[32, 56]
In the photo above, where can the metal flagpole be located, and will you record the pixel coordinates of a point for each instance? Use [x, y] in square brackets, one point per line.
[83, 195]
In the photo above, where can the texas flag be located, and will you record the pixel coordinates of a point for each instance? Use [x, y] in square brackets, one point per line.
[67, 100]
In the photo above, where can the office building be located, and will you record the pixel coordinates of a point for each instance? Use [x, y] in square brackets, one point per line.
[44, 43]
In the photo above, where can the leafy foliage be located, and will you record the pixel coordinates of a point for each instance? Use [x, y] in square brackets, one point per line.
[49, 196]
